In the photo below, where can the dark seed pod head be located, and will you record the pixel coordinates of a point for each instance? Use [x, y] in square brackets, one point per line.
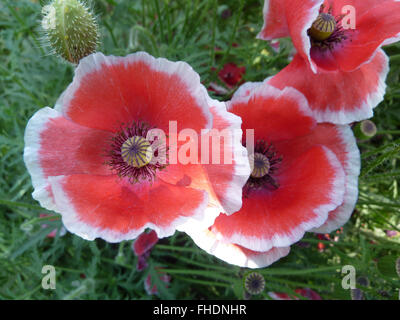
[254, 283]
[71, 29]
[365, 130]
[323, 27]
[363, 281]
[356, 294]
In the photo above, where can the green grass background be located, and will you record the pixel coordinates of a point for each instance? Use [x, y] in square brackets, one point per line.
[32, 78]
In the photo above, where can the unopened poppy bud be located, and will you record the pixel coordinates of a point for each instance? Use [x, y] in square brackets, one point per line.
[365, 130]
[71, 29]
[398, 266]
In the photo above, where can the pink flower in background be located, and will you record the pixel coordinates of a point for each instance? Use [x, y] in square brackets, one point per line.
[231, 74]
[144, 243]
[142, 247]
[391, 233]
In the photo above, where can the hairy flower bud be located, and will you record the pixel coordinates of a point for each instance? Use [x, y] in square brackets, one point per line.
[71, 29]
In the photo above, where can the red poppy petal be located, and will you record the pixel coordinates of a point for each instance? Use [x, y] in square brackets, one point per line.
[349, 155]
[235, 254]
[145, 242]
[292, 18]
[339, 139]
[361, 6]
[224, 179]
[300, 15]
[377, 26]
[228, 178]
[56, 146]
[273, 114]
[310, 187]
[275, 24]
[338, 97]
[115, 210]
[107, 91]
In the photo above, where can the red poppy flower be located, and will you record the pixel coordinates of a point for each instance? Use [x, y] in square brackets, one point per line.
[90, 159]
[328, 38]
[304, 177]
[337, 96]
[326, 34]
[231, 74]
[305, 292]
[391, 233]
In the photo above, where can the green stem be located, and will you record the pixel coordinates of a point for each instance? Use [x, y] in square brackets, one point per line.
[290, 272]
[20, 204]
[160, 23]
[207, 274]
[203, 282]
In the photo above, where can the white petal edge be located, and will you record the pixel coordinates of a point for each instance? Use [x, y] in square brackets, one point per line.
[232, 200]
[263, 89]
[202, 217]
[352, 171]
[314, 13]
[36, 125]
[365, 110]
[245, 90]
[232, 254]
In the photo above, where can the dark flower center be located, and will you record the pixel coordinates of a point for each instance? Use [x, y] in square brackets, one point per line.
[260, 165]
[323, 27]
[326, 30]
[136, 151]
[264, 162]
[132, 156]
